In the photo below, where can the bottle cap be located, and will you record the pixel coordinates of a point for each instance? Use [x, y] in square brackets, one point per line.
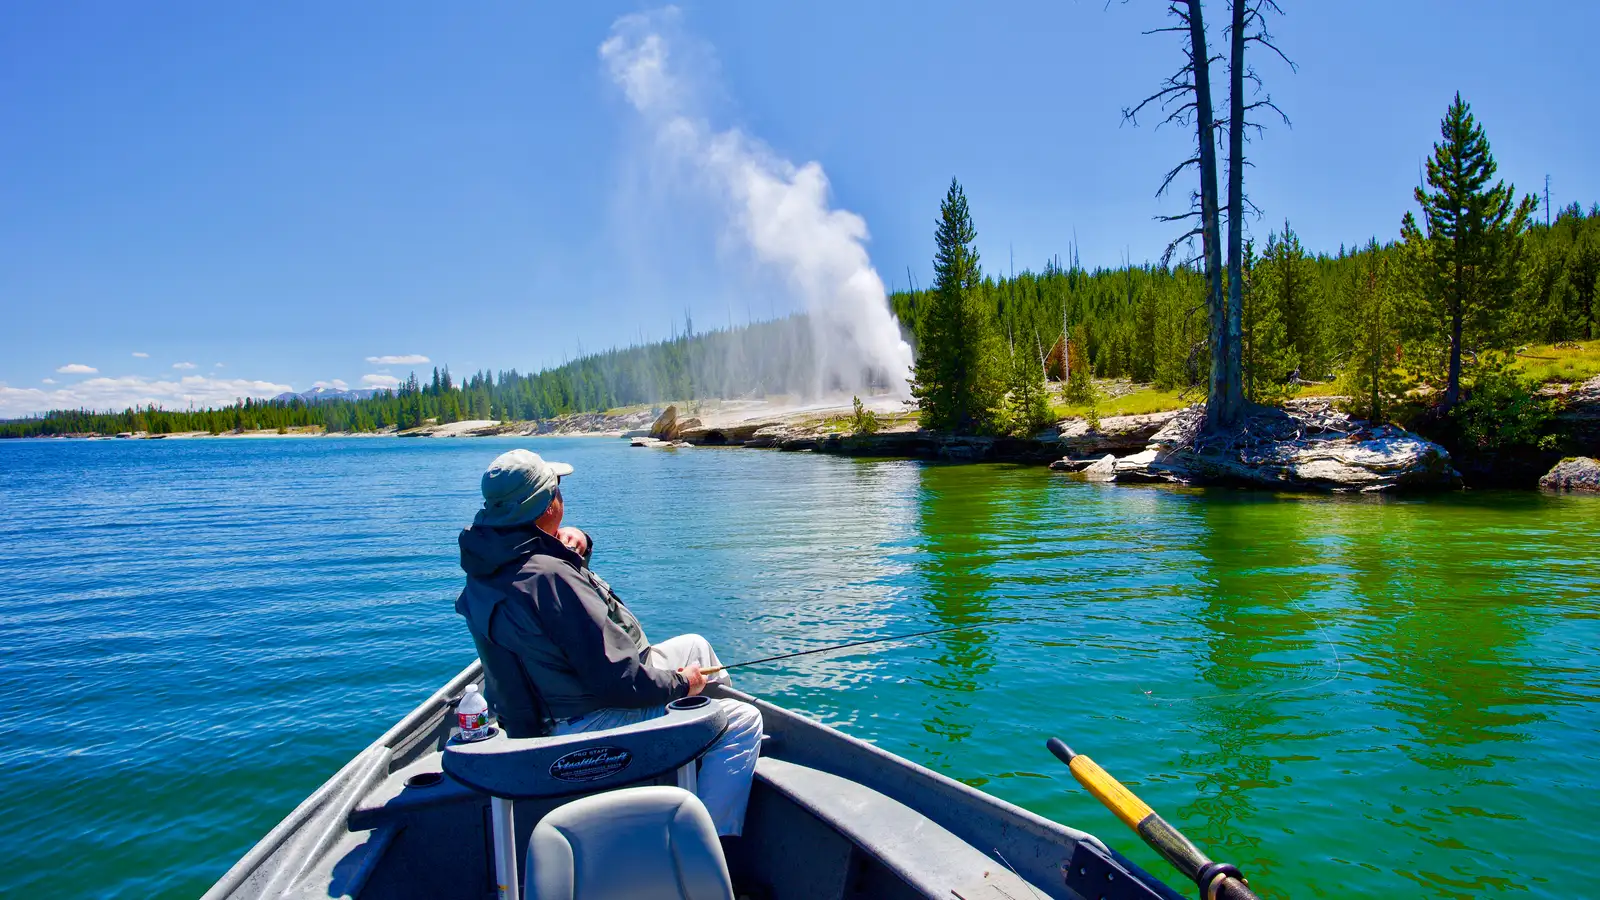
[471, 688]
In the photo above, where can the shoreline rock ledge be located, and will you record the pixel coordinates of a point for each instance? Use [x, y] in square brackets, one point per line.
[1305, 445]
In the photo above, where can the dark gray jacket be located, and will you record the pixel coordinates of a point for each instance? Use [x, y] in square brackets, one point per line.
[555, 640]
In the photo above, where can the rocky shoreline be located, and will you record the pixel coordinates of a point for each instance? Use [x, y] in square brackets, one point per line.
[1306, 445]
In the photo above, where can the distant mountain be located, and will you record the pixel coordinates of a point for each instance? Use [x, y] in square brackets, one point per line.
[322, 395]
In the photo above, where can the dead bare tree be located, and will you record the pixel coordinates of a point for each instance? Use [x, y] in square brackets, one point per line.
[1248, 27]
[1186, 99]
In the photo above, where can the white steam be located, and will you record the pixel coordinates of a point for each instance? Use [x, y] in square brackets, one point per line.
[780, 211]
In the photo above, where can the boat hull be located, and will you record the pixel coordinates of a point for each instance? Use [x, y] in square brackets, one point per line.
[830, 816]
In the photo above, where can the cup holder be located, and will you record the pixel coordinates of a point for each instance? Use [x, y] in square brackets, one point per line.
[687, 703]
[425, 780]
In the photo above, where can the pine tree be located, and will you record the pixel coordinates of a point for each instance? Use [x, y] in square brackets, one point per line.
[1370, 379]
[956, 378]
[1273, 288]
[1027, 406]
[1583, 273]
[1473, 243]
[1080, 376]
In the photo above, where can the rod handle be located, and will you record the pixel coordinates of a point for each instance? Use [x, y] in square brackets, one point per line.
[712, 670]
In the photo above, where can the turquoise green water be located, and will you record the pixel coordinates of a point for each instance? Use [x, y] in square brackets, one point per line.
[1342, 696]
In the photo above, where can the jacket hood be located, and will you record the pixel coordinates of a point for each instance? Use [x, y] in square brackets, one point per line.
[486, 550]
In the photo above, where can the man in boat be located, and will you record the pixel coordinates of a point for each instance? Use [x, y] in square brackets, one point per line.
[561, 652]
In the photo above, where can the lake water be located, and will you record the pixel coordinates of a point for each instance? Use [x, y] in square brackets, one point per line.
[1343, 696]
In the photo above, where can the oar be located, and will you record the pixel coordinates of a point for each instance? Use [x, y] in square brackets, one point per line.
[1217, 881]
[897, 637]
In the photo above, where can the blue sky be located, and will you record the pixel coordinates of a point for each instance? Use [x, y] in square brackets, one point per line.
[257, 197]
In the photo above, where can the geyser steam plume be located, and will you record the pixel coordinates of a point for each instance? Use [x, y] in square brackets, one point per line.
[779, 210]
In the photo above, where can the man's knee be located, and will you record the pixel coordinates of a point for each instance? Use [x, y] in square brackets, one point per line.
[743, 718]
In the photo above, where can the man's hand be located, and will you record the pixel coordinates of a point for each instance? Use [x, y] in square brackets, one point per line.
[574, 538]
[697, 682]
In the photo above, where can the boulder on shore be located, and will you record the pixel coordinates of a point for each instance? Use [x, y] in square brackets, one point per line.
[666, 425]
[1125, 434]
[721, 435]
[1102, 469]
[1579, 415]
[1577, 473]
[1306, 445]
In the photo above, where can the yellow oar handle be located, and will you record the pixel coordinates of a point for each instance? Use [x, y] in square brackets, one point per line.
[1216, 882]
[1130, 809]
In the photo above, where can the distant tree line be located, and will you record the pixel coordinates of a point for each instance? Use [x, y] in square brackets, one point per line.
[777, 357]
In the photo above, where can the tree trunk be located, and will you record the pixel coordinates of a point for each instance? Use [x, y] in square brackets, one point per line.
[1233, 381]
[1452, 389]
[1218, 413]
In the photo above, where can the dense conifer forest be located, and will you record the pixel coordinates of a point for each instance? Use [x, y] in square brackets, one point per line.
[1387, 323]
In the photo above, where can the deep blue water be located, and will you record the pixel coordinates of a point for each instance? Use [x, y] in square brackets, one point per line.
[1340, 695]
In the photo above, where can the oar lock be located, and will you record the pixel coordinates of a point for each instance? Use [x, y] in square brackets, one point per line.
[1213, 875]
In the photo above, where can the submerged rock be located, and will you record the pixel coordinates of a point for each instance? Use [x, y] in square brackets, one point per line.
[1305, 445]
[1578, 473]
[1068, 464]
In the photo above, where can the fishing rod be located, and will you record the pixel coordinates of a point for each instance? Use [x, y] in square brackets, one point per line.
[1217, 881]
[896, 637]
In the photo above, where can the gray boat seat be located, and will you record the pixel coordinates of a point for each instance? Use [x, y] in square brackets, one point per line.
[590, 761]
[645, 843]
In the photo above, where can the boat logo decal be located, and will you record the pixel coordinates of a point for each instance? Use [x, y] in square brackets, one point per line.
[591, 764]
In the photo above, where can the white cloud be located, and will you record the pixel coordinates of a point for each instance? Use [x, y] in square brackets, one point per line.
[388, 382]
[49, 381]
[77, 369]
[183, 365]
[139, 355]
[337, 384]
[404, 359]
[120, 393]
[218, 366]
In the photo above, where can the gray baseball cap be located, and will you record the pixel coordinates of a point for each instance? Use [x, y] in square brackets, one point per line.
[517, 488]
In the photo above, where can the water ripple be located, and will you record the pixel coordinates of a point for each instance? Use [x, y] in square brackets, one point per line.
[1388, 696]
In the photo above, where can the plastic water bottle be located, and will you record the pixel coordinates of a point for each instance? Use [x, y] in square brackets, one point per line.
[472, 715]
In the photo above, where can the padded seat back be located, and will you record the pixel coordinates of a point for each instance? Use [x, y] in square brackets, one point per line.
[588, 761]
[646, 843]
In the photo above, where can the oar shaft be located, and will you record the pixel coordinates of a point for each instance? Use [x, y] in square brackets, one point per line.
[1156, 831]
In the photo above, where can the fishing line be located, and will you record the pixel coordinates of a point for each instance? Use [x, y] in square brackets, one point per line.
[1014, 871]
[1338, 662]
[712, 670]
[1327, 639]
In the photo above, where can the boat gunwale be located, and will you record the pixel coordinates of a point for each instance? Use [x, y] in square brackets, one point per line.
[423, 718]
